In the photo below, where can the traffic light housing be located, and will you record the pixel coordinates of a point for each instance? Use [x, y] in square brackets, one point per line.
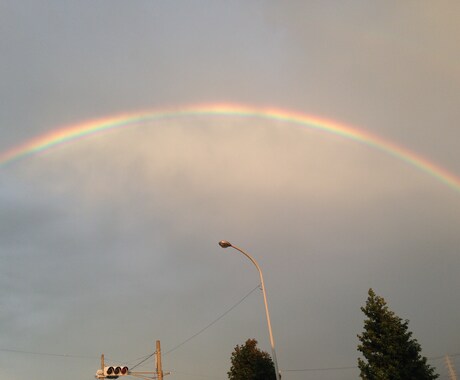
[112, 372]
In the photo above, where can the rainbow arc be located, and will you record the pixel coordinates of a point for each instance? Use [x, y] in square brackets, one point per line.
[90, 128]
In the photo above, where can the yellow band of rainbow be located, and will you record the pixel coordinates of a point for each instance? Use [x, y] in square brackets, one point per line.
[87, 129]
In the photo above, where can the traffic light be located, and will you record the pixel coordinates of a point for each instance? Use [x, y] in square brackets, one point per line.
[112, 372]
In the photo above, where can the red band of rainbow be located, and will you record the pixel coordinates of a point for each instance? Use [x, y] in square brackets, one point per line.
[87, 129]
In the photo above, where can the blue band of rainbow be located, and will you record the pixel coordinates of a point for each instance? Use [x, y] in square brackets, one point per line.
[90, 128]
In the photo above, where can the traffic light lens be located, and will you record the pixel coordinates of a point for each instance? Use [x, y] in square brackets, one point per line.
[117, 370]
[109, 370]
[124, 370]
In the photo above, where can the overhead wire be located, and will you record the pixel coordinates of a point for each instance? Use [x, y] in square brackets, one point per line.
[202, 330]
[45, 354]
[213, 322]
[318, 369]
[145, 358]
[432, 358]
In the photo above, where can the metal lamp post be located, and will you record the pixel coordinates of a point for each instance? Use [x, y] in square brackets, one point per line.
[226, 244]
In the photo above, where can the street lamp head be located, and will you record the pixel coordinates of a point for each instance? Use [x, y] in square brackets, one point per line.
[224, 244]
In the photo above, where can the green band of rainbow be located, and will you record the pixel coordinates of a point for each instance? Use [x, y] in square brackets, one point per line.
[80, 131]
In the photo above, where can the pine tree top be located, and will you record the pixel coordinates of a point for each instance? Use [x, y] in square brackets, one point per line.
[388, 347]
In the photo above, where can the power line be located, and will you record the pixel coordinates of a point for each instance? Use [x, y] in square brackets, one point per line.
[433, 358]
[213, 322]
[204, 376]
[14, 351]
[46, 354]
[202, 330]
[144, 360]
[318, 369]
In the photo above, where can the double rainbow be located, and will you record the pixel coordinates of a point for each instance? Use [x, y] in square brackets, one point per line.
[88, 129]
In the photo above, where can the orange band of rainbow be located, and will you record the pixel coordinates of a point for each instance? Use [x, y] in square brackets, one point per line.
[87, 129]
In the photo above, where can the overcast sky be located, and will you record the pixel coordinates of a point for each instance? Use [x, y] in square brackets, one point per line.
[109, 243]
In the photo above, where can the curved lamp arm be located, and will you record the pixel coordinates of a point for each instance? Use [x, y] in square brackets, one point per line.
[226, 244]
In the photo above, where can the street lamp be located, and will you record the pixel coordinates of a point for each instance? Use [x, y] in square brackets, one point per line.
[226, 244]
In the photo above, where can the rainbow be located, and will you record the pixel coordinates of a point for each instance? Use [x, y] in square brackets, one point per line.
[91, 128]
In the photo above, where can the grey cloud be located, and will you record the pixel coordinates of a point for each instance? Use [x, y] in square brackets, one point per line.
[110, 243]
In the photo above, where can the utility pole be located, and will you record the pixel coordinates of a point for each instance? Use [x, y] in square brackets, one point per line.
[159, 369]
[451, 369]
[115, 371]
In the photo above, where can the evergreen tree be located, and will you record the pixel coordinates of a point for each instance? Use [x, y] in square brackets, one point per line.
[250, 363]
[388, 347]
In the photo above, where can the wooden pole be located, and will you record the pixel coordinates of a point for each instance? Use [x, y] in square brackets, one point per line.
[451, 369]
[158, 361]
